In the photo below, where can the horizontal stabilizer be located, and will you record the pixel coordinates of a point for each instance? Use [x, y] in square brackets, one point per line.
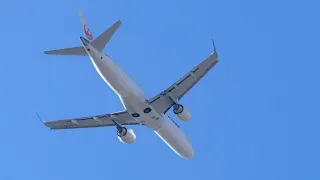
[100, 42]
[78, 51]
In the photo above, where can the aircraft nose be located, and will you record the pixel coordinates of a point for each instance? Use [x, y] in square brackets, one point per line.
[84, 41]
[189, 154]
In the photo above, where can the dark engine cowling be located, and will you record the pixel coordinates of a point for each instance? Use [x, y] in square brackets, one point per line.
[181, 112]
[126, 136]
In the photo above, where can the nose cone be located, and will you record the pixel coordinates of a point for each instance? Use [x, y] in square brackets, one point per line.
[84, 41]
[188, 154]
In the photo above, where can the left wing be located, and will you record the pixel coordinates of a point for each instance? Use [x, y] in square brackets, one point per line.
[122, 117]
[164, 101]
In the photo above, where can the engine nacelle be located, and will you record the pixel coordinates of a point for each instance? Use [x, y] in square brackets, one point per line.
[181, 112]
[126, 136]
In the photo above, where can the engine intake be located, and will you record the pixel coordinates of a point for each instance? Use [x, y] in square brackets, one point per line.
[126, 136]
[181, 112]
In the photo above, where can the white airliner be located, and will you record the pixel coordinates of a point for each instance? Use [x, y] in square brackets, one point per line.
[139, 109]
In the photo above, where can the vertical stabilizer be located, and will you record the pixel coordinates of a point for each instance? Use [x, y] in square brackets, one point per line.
[85, 26]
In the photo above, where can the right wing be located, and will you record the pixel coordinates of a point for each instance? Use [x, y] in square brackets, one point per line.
[163, 101]
[122, 117]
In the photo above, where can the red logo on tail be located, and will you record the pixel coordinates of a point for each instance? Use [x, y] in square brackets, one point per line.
[87, 32]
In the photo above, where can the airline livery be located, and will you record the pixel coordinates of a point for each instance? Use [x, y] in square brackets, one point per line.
[138, 108]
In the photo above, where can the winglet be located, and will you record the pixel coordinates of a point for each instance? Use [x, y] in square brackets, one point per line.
[40, 118]
[214, 48]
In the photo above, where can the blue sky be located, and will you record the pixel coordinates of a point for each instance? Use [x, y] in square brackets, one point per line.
[259, 105]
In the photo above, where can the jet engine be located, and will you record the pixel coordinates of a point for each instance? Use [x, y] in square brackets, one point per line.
[126, 136]
[181, 112]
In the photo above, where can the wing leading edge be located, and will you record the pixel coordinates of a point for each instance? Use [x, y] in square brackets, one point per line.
[163, 101]
[122, 117]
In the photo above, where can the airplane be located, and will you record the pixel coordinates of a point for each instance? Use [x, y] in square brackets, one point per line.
[139, 109]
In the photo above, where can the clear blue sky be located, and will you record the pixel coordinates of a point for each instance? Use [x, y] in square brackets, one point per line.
[255, 115]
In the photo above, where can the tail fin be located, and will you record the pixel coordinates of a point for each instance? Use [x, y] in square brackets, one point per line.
[99, 43]
[85, 26]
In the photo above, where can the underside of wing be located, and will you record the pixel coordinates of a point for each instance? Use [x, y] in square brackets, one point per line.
[77, 51]
[164, 101]
[123, 118]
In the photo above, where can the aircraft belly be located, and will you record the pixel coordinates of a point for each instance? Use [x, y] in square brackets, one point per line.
[162, 125]
[175, 138]
[134, 101]
[110, 74]
[136, 105]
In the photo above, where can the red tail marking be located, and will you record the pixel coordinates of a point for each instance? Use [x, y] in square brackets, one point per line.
[87, 32]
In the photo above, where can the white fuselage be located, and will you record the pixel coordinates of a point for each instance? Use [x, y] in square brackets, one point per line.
[134, 100]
